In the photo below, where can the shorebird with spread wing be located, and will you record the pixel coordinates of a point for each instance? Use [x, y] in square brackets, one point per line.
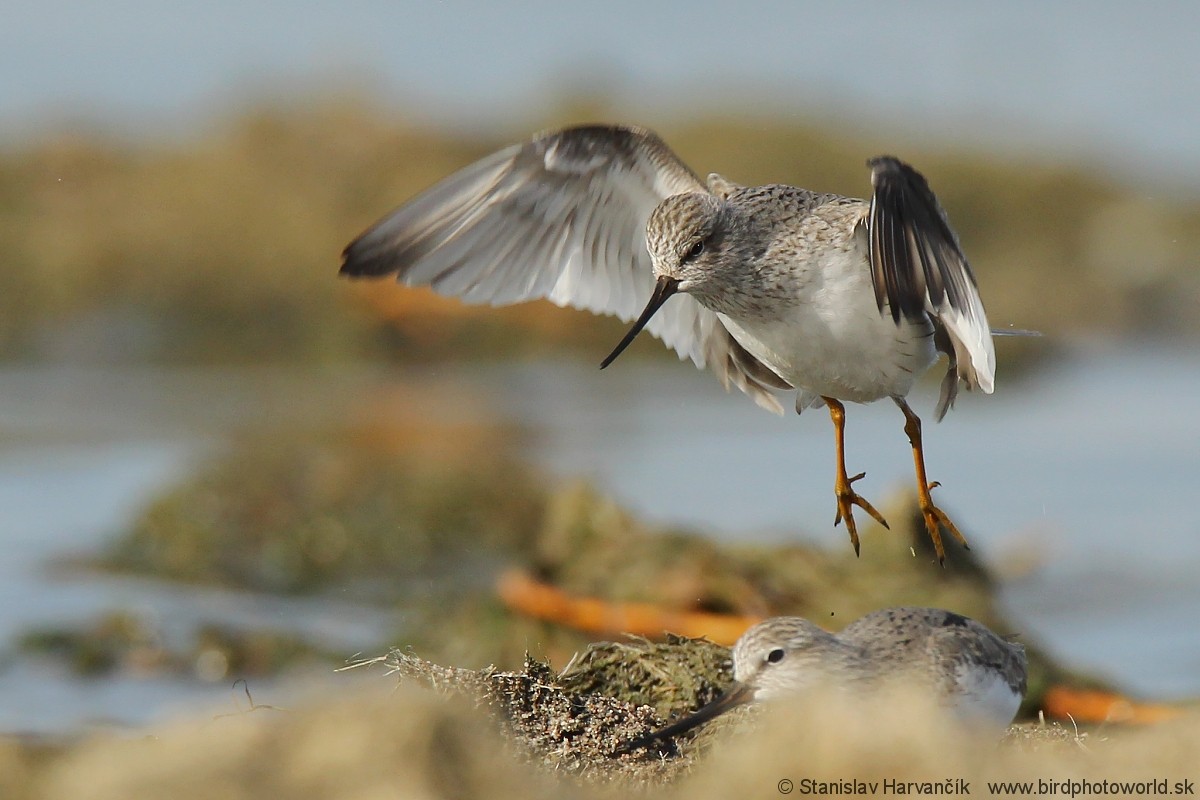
[773, 288]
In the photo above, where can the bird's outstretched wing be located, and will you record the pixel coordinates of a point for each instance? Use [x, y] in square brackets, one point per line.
[919, 270]
[561, 217]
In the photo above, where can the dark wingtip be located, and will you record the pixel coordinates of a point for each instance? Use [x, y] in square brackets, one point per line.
[361, 261]
[347, 270]
[353, 265]
[894, 167]
[888, 163]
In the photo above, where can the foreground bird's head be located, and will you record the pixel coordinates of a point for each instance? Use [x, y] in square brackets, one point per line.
[685, 235]
[786, 655]
[775, 658]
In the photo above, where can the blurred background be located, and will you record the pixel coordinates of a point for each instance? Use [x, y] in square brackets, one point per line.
[218, 461]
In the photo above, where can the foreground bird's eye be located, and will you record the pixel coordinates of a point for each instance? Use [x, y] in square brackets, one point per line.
[775, 656]
[696, 250]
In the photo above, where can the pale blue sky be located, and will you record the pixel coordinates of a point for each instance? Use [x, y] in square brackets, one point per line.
[1100, 81]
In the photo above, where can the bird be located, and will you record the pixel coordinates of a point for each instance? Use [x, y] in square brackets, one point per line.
[773, 288]
[980, 676]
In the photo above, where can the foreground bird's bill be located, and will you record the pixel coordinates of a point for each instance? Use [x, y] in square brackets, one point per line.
[664, 287]
[737, 695]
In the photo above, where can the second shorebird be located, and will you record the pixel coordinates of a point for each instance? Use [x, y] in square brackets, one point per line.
[960, 663]
[779, 288]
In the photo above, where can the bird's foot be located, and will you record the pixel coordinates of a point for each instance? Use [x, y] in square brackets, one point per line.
[935, 520]
[847, 498]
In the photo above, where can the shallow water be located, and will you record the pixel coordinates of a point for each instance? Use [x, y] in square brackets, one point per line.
[1068, 469]
[66, 499]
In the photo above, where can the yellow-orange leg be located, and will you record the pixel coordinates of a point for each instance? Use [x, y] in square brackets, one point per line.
[847, 498]
[934, 516]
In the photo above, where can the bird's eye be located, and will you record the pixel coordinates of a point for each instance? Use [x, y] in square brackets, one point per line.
[775, 656]
[696, 250]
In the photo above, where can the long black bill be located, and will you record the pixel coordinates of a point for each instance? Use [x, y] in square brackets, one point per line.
[664, 288]
[738, 694]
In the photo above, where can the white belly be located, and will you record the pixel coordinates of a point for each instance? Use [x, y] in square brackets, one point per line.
[984, 697]
[835, 341]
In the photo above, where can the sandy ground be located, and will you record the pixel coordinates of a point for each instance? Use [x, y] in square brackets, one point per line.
[490, 734]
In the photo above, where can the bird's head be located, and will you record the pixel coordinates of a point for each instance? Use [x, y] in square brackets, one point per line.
[786, 655]
[684, 235]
